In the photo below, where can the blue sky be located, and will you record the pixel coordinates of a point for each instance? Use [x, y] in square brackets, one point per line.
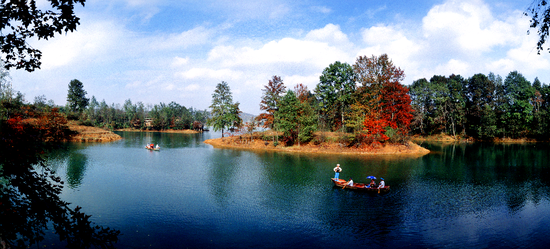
[161, 51]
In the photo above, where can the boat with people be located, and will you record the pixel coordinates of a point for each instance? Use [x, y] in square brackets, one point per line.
[360, 187]
[152, 147]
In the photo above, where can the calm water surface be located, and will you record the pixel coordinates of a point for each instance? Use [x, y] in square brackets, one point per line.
[190, 195]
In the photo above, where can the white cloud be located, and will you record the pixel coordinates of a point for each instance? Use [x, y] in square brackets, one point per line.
[321, 9]
[178, 61]
[88, 43]
[330, 34]
[453, 66]
[210, 74]
[196, 36]
[284, 51]
[468, 25]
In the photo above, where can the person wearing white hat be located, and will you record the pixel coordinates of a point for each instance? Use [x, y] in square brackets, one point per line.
[337, 171]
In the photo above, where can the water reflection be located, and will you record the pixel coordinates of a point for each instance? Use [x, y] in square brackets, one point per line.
[191, 194]
[164, 140]
[76, 168]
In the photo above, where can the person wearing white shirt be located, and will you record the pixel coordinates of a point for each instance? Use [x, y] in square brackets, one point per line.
[382, 183]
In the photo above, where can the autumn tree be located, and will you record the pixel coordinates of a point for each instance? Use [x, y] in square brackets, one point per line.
[396, 110]
[23, 20]
[302, 93]
[334, 93]
[272, 94]
[379, 80]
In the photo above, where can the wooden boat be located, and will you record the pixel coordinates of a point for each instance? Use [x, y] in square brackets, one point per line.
[154, 149]
[360, 187]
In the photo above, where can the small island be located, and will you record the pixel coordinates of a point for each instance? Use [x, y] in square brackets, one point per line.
[323, 143]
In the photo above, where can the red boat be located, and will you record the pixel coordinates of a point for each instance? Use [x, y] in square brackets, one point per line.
[360, 187]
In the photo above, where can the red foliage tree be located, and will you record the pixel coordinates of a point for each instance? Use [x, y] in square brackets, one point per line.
[396, 107]
[272, 94]
[385, 101]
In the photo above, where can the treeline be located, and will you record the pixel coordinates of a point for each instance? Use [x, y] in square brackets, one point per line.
[367, 104]
[140, 116]
[483, 106]
[130, 115]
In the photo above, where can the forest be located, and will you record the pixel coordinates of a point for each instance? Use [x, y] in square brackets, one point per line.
[367, 104]
[99, 114]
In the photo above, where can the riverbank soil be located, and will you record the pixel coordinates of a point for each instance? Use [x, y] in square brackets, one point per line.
[90, 134]
[163, 131]
[453, 139]
[329, 146]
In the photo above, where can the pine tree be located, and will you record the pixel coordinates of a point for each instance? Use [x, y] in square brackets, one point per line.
[76, 98]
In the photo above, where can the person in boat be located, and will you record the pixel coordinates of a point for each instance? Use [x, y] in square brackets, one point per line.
[382, 183]
[157, 147]
[337, 171]
[372, 183]
[350, 182]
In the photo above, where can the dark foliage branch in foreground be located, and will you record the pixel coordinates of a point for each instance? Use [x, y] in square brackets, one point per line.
[29, 191]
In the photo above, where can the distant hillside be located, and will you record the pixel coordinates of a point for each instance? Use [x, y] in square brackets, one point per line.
[247, 117]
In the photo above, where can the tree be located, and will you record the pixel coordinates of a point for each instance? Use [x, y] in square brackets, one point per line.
[334, 93]
[420, 93]
[539, 11]
[519, 93]
[382, 99]
[22, 20]
[272, 94]
[287, 117]
[396, 109]
[222, 108]
[480, 93]
[76, 98]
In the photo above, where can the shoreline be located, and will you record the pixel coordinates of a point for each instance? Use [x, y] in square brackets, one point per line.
[410, 149]
[162, 131]
[84, 134]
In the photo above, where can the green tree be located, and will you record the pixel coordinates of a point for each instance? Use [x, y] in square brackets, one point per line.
[420, 92]
[222, 108]
[480, 92]
[76, 98]
[457, 103]
[519, 93]
[23, 20]
[287, 117]
[296, 119]
[130, 111]
[92, 111]
[334, 93]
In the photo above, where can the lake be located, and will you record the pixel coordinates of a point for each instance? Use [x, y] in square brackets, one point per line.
[190, 195]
